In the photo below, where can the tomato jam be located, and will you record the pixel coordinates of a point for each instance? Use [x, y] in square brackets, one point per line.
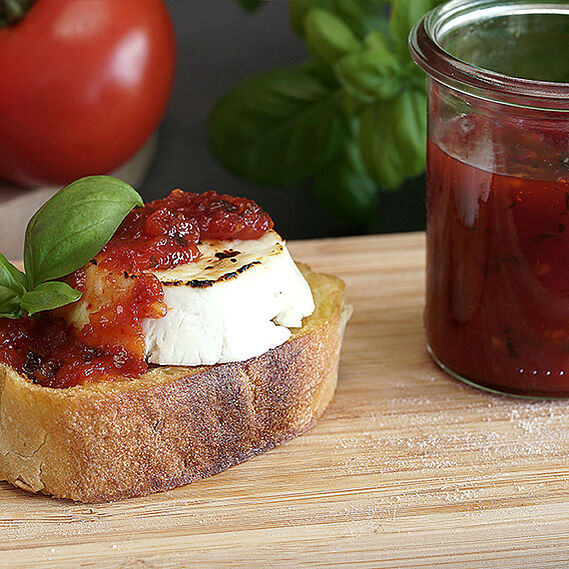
[165, 233]
[119, 291]
[497, 311]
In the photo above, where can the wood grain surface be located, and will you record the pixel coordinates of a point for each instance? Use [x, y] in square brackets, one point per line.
[407, 468]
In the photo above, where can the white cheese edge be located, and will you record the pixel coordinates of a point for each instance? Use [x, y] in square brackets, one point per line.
[234, 319]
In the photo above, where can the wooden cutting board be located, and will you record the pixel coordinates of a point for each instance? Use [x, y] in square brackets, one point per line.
[407, 468]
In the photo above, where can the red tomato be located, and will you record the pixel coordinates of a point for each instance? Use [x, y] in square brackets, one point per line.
[83, 84]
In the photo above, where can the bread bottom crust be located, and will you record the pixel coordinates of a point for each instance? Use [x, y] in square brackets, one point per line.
[107, 441]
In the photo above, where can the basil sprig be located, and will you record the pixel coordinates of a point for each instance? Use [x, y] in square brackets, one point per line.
[352, 118]
[63, 235]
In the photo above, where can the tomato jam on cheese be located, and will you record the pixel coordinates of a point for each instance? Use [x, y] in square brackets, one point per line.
[121, 291]
[165, 233]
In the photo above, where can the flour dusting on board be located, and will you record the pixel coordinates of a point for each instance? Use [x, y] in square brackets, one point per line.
[428, 440]
[445, 430]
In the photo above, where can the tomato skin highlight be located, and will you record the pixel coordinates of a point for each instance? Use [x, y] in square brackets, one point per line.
[83, 85]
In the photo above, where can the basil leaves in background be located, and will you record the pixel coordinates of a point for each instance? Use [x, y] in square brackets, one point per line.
[63, 235]
[394, 149]
[352, 118]
[285, 113]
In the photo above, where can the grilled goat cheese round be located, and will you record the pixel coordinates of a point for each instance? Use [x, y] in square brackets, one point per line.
[236, 301]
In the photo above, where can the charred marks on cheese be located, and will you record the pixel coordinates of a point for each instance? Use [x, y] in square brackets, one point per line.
[228, 276]
[205, 283]
[227, 254]
[247, 266]
[197, 283]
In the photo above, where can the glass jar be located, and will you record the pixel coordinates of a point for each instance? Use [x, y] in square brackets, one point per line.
[497, 304]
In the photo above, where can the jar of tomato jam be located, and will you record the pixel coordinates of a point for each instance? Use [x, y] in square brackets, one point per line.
[497, 305]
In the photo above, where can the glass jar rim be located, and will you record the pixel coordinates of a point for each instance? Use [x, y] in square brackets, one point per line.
[428, 53]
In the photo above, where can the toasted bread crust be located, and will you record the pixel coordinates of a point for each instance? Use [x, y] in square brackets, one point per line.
[173, 425]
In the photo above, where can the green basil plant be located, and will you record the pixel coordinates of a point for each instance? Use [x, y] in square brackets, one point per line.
[62, 236]
[352, 118]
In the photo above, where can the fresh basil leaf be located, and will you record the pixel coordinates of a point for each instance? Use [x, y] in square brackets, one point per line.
[378, 43]
[251, 5]
[416, 78]
[321, 72]
[11, 277]
[48, 296]
[344, 187]
[327, 37]
[74, 225]
[353, 106]
[369, 75]
[392, 138]
[13, 284]
[404, 15]
[277, 128]
[298, 10]
[363, 16]
[10, 305]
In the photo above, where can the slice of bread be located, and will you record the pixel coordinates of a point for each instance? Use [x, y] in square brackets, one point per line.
[173, 425]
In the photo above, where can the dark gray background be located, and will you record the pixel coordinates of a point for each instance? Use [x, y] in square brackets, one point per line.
[220, 44]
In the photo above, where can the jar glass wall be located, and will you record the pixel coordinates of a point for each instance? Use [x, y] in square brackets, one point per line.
[497, 306]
